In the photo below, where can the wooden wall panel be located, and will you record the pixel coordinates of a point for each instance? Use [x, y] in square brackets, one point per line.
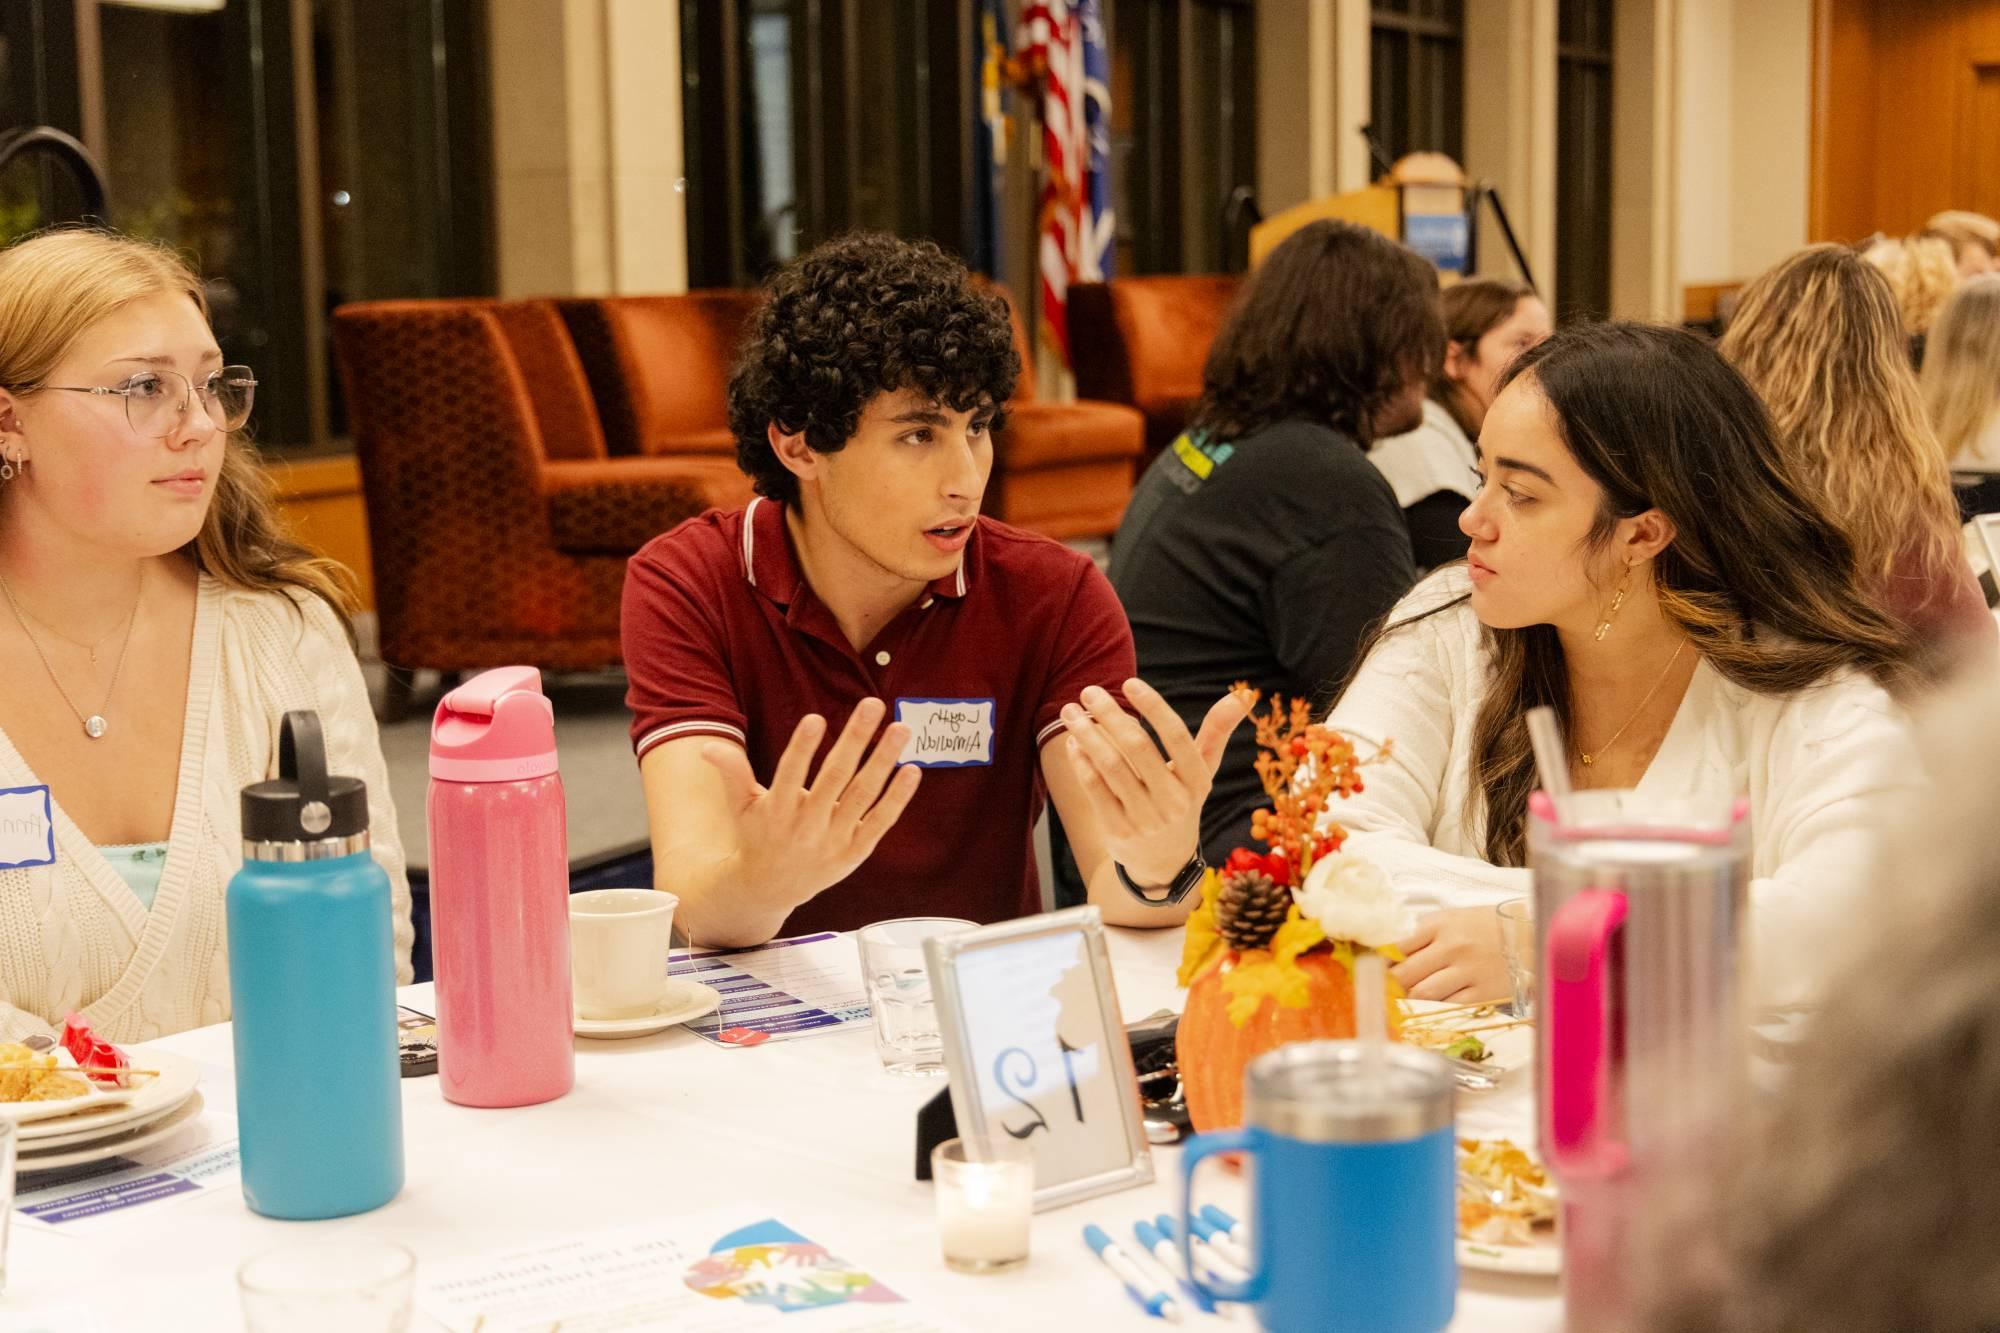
[320, 499]
[1906, 110]
[1842, 188]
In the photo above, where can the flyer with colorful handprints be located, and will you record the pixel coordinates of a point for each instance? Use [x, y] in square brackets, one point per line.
[710, 1275]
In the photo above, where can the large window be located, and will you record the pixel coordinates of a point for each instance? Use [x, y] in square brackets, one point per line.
[359, 171]
[1583, 159]
[1183, 130]
[807, 118]
[1416, 76]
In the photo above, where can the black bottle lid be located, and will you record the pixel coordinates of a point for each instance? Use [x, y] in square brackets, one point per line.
[303, 804]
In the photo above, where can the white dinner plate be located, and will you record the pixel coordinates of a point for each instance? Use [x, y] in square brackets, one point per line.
[1507, 1050]
[148, 1099]
[683, 1000]
[1542, 1259]
[114, 1145]
[76, 1138]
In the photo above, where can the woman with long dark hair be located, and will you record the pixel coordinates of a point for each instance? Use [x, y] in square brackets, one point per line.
[1261, 545]
[1641, 561]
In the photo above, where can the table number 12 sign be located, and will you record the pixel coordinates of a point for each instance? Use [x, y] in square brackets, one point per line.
[1037, 1051]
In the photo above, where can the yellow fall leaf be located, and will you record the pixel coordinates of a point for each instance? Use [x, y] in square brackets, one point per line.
[1202, 940]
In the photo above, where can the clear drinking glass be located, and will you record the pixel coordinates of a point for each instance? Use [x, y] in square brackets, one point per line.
[332, 1285]
[1517, 947]
[985, 1200]
[899, 991]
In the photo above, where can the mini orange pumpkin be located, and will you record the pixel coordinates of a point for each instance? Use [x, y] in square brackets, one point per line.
[1213, 1052]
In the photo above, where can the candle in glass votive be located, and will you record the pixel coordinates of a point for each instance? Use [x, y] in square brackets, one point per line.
[985, 1198]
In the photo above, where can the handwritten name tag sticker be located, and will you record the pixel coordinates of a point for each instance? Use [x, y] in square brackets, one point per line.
[947, 733]
[27, 828]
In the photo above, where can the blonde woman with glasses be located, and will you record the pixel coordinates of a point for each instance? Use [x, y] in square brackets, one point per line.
[1961, 379]
[1820, 340]
[155, 625]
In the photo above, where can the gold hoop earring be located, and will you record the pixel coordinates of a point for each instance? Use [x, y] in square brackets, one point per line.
[1617, 600]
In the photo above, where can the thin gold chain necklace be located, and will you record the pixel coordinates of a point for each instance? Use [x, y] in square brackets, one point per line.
[95, 725]
[1590, 759]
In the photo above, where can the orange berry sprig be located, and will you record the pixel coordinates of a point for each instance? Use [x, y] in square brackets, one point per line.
[1290, 741]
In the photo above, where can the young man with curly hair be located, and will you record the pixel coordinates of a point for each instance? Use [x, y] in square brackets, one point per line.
[964, 669]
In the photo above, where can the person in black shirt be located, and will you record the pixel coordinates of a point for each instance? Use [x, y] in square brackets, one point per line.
[1487, 323]
[1262, 544]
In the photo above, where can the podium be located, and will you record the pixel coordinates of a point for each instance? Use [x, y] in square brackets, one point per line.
[1424, 201]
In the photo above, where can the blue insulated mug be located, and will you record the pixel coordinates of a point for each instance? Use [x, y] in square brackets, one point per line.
[1354, 1213]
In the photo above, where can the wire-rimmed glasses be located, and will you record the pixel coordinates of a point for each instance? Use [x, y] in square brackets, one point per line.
[155, 410]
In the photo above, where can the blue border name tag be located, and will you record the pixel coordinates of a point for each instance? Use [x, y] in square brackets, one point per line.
[27, 828]
[947, 733]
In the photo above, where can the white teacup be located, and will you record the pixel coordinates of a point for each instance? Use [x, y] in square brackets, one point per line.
[619, 939]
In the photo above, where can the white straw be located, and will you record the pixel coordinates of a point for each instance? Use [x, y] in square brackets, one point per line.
[1551, 757]
[1371, 1016]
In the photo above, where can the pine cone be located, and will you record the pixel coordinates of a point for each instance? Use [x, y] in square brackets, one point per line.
[1250, 908]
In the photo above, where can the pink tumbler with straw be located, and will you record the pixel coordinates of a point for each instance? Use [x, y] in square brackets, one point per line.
[500, 894]
[1640, 1007]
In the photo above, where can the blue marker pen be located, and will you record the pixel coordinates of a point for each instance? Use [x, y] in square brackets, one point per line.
[1217, 1264]
[1162, 1250]
[1215, 1217]
[1219, 1240]
[1138, 1286]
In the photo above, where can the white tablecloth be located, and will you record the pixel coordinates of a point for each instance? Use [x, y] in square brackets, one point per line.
[811, 1131]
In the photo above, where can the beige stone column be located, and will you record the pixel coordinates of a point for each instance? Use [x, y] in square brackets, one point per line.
[1645, 176]
[1353, 169]
[1510, 129]
[587, 147]
[1295, 102]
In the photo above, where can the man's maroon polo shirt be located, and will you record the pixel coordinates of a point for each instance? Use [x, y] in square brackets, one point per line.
[724, 638]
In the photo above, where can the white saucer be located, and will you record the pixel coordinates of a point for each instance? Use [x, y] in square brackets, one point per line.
[683, 1000]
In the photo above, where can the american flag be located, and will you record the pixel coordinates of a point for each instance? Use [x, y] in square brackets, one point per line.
[1064, 42]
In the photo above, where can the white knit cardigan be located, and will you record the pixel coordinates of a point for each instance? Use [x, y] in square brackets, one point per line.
[73, 936]
[1829, 771]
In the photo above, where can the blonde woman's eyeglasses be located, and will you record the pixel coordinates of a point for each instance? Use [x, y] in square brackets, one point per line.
[156, 401]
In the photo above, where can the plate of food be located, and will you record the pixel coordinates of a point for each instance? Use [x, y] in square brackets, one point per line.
[41, 1085]
[1484, 1037]
[1506, 1209]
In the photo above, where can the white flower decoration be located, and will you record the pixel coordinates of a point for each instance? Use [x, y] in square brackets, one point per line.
[1353, 900]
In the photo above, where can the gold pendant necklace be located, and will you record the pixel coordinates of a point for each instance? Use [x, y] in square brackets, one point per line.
[1590, 759]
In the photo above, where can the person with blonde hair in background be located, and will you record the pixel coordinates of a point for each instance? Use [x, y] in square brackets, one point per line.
[1922, 271]
[1487, 323]
[1864, 1193]
[1974, 239]
[1818, 338]
[156, 626]
[1961, 376]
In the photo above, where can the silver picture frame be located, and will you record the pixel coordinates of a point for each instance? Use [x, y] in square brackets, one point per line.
[1120, 1154]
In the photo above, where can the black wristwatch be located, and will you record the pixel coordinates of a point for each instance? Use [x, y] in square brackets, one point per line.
[1182, 885]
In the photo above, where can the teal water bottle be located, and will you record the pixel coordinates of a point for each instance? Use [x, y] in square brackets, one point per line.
[312, 979]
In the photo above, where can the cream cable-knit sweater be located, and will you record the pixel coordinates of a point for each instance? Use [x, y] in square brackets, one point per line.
[1828, 771]
[74, 937]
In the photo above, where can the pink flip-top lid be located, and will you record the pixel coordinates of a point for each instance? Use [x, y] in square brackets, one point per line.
[497, 727]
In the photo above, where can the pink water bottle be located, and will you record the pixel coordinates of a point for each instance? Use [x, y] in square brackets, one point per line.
[500, 894]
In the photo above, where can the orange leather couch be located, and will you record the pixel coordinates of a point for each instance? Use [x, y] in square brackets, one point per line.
[658, 367]
[1061, 469]
[1142, 341]
[498, 522]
